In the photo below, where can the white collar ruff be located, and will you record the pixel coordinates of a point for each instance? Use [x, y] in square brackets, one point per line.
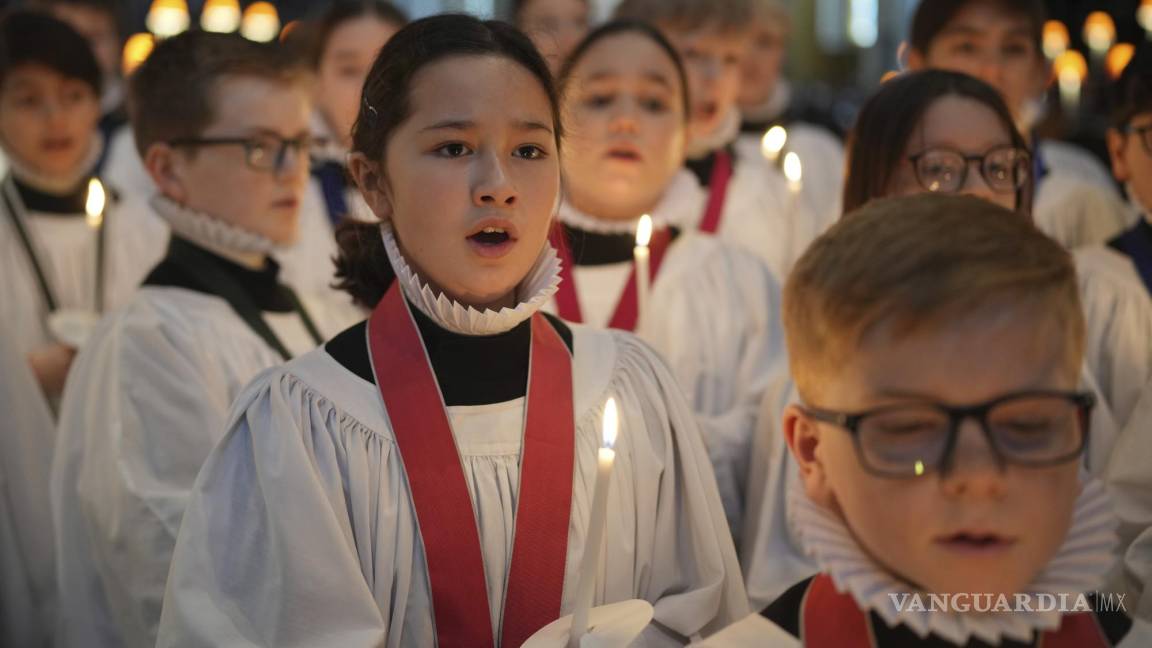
[213, 234]
[1079, 566]
[725, 134]
[56, 186]
[680, 205]
[774, 107]
[532, 294]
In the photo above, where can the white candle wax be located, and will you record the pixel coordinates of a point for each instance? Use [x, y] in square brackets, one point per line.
[640, 256]
[94, 212]
[590, 562]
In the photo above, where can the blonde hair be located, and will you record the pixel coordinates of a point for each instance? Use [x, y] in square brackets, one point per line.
[918, 262]
[722, 15]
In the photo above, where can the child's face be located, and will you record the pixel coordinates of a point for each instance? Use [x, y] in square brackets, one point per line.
[478, 152]
[979, 527]
[1132, 157]
[763, 63]
[714, 61]
[219, 180]
[960, 125]
[47, 120]
[626, 127]
[99, 29]
[344, 64]
[993, 45]
[555, 27]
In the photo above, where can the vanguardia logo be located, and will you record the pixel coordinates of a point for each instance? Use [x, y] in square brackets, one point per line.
[983, 603]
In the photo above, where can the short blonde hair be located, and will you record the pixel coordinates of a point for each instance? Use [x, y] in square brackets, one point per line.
[918, 262]
[723, 15]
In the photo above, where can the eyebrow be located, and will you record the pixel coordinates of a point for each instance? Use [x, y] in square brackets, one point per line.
[649, 75]
[464, 124]
[969, 30]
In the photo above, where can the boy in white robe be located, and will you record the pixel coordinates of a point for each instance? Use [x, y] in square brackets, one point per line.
[60, 271]
[964, 35]
[759, 211]
[936, 342]
[309, 524]
[222, 126]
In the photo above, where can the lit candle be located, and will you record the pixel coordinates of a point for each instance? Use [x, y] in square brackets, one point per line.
[1099, 33]
[260, 23]
[773, 143]
[640, 255]
[1071, 69]
[220, 16]
[590, 563]
[1144, 17]
[167, 18]
[94, 213]
[794, 172]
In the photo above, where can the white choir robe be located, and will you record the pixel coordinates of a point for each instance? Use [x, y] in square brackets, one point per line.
[822, 160]
[66, 247]
[146, 401]
[1118, 315]
[771, 554]
[715, 318]
[1128, 478]
[27, 572]
[301, 532]
[1069, 160]
[1077, 213]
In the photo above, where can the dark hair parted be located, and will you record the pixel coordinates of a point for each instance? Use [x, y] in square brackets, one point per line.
[877, 143]
[172, 95]
[934, 16]
[35, 38]
[362, 267]
[1132, 92]
[113, 9]
[626, 26]
[518, 7]
[344, 11]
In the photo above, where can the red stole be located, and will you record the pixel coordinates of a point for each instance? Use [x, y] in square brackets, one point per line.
[831, 619]
[718, 192]
[567, 300]
[444, 513]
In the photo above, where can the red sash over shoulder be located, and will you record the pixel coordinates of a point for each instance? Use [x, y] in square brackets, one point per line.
[717, 192]
[440, 498]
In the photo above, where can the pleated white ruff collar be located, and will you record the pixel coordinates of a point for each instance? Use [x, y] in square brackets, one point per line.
[680, 205]
[209, 232]
[1080, 566]
[532, 294]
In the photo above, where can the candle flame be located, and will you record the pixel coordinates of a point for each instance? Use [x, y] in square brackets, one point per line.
[644, 231]
[167, 17]
[1118, 58]
[1055, 39]
[261, 22]
[94, 205]
[793, 170]
[611, 423]
[919, 468]
[1144, 15]
[773, 142]
[1071, 67]
[1099, 31]
[137, 49]
[220, 16]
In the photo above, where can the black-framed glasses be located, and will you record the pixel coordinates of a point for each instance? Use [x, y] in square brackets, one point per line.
[1032, 428]
[1144, 133]
[944, 170]
[261, 152]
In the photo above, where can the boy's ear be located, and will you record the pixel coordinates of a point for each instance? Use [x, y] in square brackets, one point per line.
[370, 180]
[803, 437]
[166, 168]
[1116, 144]
[914, 59]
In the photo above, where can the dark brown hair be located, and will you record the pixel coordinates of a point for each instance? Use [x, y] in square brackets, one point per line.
[518, 7]
[32, 37]
[722, 15]
[1132, 92]
[917, 262]
[172, 95]
[362, 267]
[343, 11]
[933, 17]
[877, 143]
[615, 28]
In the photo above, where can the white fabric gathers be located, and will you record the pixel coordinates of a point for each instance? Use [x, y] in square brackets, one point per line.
[27, 572]
[1077, 213]
[1128, 479]
[715, 318]
[1070, 160]
[301, 531]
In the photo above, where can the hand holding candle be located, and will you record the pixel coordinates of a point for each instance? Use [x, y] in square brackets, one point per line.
[589, 564]
[640, 255]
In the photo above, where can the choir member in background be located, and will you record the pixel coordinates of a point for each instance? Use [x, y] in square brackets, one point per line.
[999, 42]
[62, 268]
[98, 21]
[946, 132]
[555, 26]
[759, 211]
[427, 477]
[767, 100]
[714, 308]
[27, 571]
[937, 342]
[344, 41]
[222, 125]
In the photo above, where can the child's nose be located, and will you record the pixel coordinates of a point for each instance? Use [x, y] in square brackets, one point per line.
[975, 470]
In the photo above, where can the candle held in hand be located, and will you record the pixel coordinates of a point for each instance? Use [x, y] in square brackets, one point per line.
[590, 563]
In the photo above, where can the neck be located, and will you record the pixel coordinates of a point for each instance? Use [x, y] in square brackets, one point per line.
[59, 183]
[613, 210]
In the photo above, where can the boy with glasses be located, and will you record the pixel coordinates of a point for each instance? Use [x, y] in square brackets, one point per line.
[1130, 146]
[936, 343]
[222, 126]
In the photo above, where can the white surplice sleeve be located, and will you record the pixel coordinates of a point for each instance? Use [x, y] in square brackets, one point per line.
[300, 529]
[27, 574]
[145, 402]
[1076, 213]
